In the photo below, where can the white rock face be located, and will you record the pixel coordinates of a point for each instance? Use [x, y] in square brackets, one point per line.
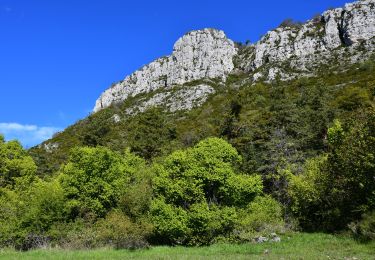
[182, 99]
[200, 54]
[116, 118]
[332, 21]
[339, 36]
[49, 147]
[358, 22]
[305, 47]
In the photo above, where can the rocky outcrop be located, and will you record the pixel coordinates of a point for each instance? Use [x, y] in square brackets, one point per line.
[294, 49]
[175, 100]
[338, 36]
[200, 54]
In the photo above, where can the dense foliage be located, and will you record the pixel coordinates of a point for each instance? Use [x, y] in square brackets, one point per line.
[253, 160]
[198, 193]
[339, 187]
[101, 197]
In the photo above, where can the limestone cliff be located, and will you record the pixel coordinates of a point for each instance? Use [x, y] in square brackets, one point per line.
[342, 35]
[338, 36]
[199, 54]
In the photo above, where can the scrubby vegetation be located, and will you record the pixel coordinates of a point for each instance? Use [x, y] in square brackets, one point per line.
[253, 160]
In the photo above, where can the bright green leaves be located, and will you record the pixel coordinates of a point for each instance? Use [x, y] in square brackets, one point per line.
[31, 211]
[335, 133]
[207, 223]
[263, 216]
[16, 166]
[198, 192]
[94, 178]
[240, 189]
[170, 223]
[205, 173]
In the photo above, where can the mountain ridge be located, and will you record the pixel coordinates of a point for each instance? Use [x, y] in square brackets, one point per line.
[341, 35]
[244, 104]
[200, 54]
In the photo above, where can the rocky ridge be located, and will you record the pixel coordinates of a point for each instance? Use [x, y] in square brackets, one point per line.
[342, 35]
[200, 54]
[338, 36]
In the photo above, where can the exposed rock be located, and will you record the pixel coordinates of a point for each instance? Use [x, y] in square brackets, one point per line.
[200, 54]
[300, 49]
[182, 99]
[116, 118]
[358, 21]
[261, 239]
[50, 147]
[274, 238]
[338, 37]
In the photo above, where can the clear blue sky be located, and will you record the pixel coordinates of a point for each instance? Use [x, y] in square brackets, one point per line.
[57, 56]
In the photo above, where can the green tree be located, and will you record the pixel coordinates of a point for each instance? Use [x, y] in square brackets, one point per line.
[351, 164]
[338, 188]
[16, 166]
[94, 178]
[149, 132]
[198, 188]
[27, 214]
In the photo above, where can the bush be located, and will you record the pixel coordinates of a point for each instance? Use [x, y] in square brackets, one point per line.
[207, 222]
[10, 206]
[94, 179]
[170, 223]
[135, 200]
[364, 229]
[26, 217]
[119, 231]
[307, 190]
[239, 190]
[77, 235]
[290, 23]
[263, 216]
[33, 241]
[198, 192]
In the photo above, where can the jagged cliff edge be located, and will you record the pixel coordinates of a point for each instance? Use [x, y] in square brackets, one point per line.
[342, 35]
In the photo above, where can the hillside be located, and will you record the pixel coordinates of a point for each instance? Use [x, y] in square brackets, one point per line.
[287, 88]
[217, 143]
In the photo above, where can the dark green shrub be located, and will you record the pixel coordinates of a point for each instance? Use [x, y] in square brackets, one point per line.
[365, 228]
[338, 188]
[290, 23]
[33, 241]
[351, 98]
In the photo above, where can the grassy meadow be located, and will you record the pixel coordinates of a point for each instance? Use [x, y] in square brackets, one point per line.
[298, 246]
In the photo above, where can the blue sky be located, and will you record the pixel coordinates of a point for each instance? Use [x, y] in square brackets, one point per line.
[57, 56]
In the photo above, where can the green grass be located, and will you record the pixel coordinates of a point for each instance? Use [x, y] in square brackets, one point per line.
[299, 246]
